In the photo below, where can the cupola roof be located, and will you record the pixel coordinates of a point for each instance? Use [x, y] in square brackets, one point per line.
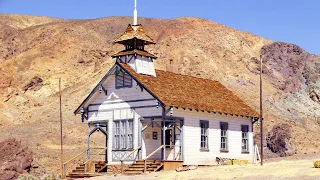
[134, 31]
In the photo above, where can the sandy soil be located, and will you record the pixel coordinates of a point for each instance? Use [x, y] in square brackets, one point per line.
[284, 170]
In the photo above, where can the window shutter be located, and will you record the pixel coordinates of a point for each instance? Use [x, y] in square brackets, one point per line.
[127, 80]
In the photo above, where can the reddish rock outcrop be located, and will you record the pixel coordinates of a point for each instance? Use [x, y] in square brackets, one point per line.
[285, 60]
[279, 141]
[15, 159]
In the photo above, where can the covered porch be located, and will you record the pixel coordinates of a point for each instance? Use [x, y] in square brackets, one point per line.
[160, 145]
[161, 138]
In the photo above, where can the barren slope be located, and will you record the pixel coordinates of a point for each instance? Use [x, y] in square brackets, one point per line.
[35, 52]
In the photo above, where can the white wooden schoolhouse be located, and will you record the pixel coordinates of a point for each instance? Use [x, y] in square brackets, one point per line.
[149, 114]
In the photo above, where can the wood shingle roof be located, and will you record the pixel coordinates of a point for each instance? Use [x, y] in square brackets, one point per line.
[134, 31]
[192, 93]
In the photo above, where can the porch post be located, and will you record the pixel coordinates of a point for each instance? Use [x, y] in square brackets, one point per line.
[140, 139]
[164, 139]
[163, 134]
[181, 139]
[88, 152]
[106, 152]
[174, 140]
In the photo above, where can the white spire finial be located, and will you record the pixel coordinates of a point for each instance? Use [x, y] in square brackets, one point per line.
[135, 13]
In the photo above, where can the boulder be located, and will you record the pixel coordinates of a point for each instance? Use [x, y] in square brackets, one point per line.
[279, 140]
[15, 159]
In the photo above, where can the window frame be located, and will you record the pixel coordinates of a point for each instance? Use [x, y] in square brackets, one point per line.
[121, 134]
[125, 79]
[247, 150]
[205, 135]
[225, 136]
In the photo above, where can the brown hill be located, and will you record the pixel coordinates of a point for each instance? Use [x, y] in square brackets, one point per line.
[36, 51]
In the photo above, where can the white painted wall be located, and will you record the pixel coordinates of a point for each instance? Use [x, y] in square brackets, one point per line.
[121, 96]
[149, 144]
[140, 64]
[191, 137]
[107, 110]
[145, 65]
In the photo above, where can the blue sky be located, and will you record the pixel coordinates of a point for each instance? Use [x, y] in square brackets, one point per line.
[290, 21]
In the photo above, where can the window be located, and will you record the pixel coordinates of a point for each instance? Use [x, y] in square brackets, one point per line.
[130, 134]
[117, 135]
[224, 136]
[204, 126]
[245, 140]
[123, 80]
[123, 134]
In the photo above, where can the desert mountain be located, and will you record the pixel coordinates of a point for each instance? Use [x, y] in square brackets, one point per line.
[36, 51]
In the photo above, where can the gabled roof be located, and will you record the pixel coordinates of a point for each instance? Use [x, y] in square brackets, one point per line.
[184, 91]
[192, 93]
[95, 89]
[135, 51]
[134, 31]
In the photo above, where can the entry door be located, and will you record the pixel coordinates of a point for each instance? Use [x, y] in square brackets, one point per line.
[169, 138]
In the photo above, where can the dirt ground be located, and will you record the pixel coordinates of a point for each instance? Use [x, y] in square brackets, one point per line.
[289, 169]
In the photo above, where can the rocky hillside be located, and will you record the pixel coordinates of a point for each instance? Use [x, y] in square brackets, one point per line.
[36, 51]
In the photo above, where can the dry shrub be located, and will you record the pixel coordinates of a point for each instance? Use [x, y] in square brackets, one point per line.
[27, 177]
[316, 164]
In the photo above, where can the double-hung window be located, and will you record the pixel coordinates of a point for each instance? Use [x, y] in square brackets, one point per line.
[130, 134]
[245, 139]
[204, 126]
[116, 135]
[224, 136]
[123, 134]
[123, 80]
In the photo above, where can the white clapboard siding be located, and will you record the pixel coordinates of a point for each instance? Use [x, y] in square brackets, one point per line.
[140, 64]
[117, 98]
[191, 137]
[145, 65]
[115, 106]
[149, 144]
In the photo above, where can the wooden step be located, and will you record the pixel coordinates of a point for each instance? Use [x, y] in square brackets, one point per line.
[77, 171]
[142, 165]
[82, 175]
[148, 163]
[138, 167]
[133, 172]
[138, 170]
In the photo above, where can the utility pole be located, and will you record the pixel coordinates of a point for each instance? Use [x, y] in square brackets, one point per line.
[62, 168]
[261, 126]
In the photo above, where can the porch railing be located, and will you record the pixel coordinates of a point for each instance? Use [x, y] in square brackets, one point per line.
[126, 156]
[146, 158]
[176, 155]
[65, 165]
[94, 156]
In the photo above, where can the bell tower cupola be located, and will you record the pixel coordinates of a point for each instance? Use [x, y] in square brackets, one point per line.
[134, 40]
